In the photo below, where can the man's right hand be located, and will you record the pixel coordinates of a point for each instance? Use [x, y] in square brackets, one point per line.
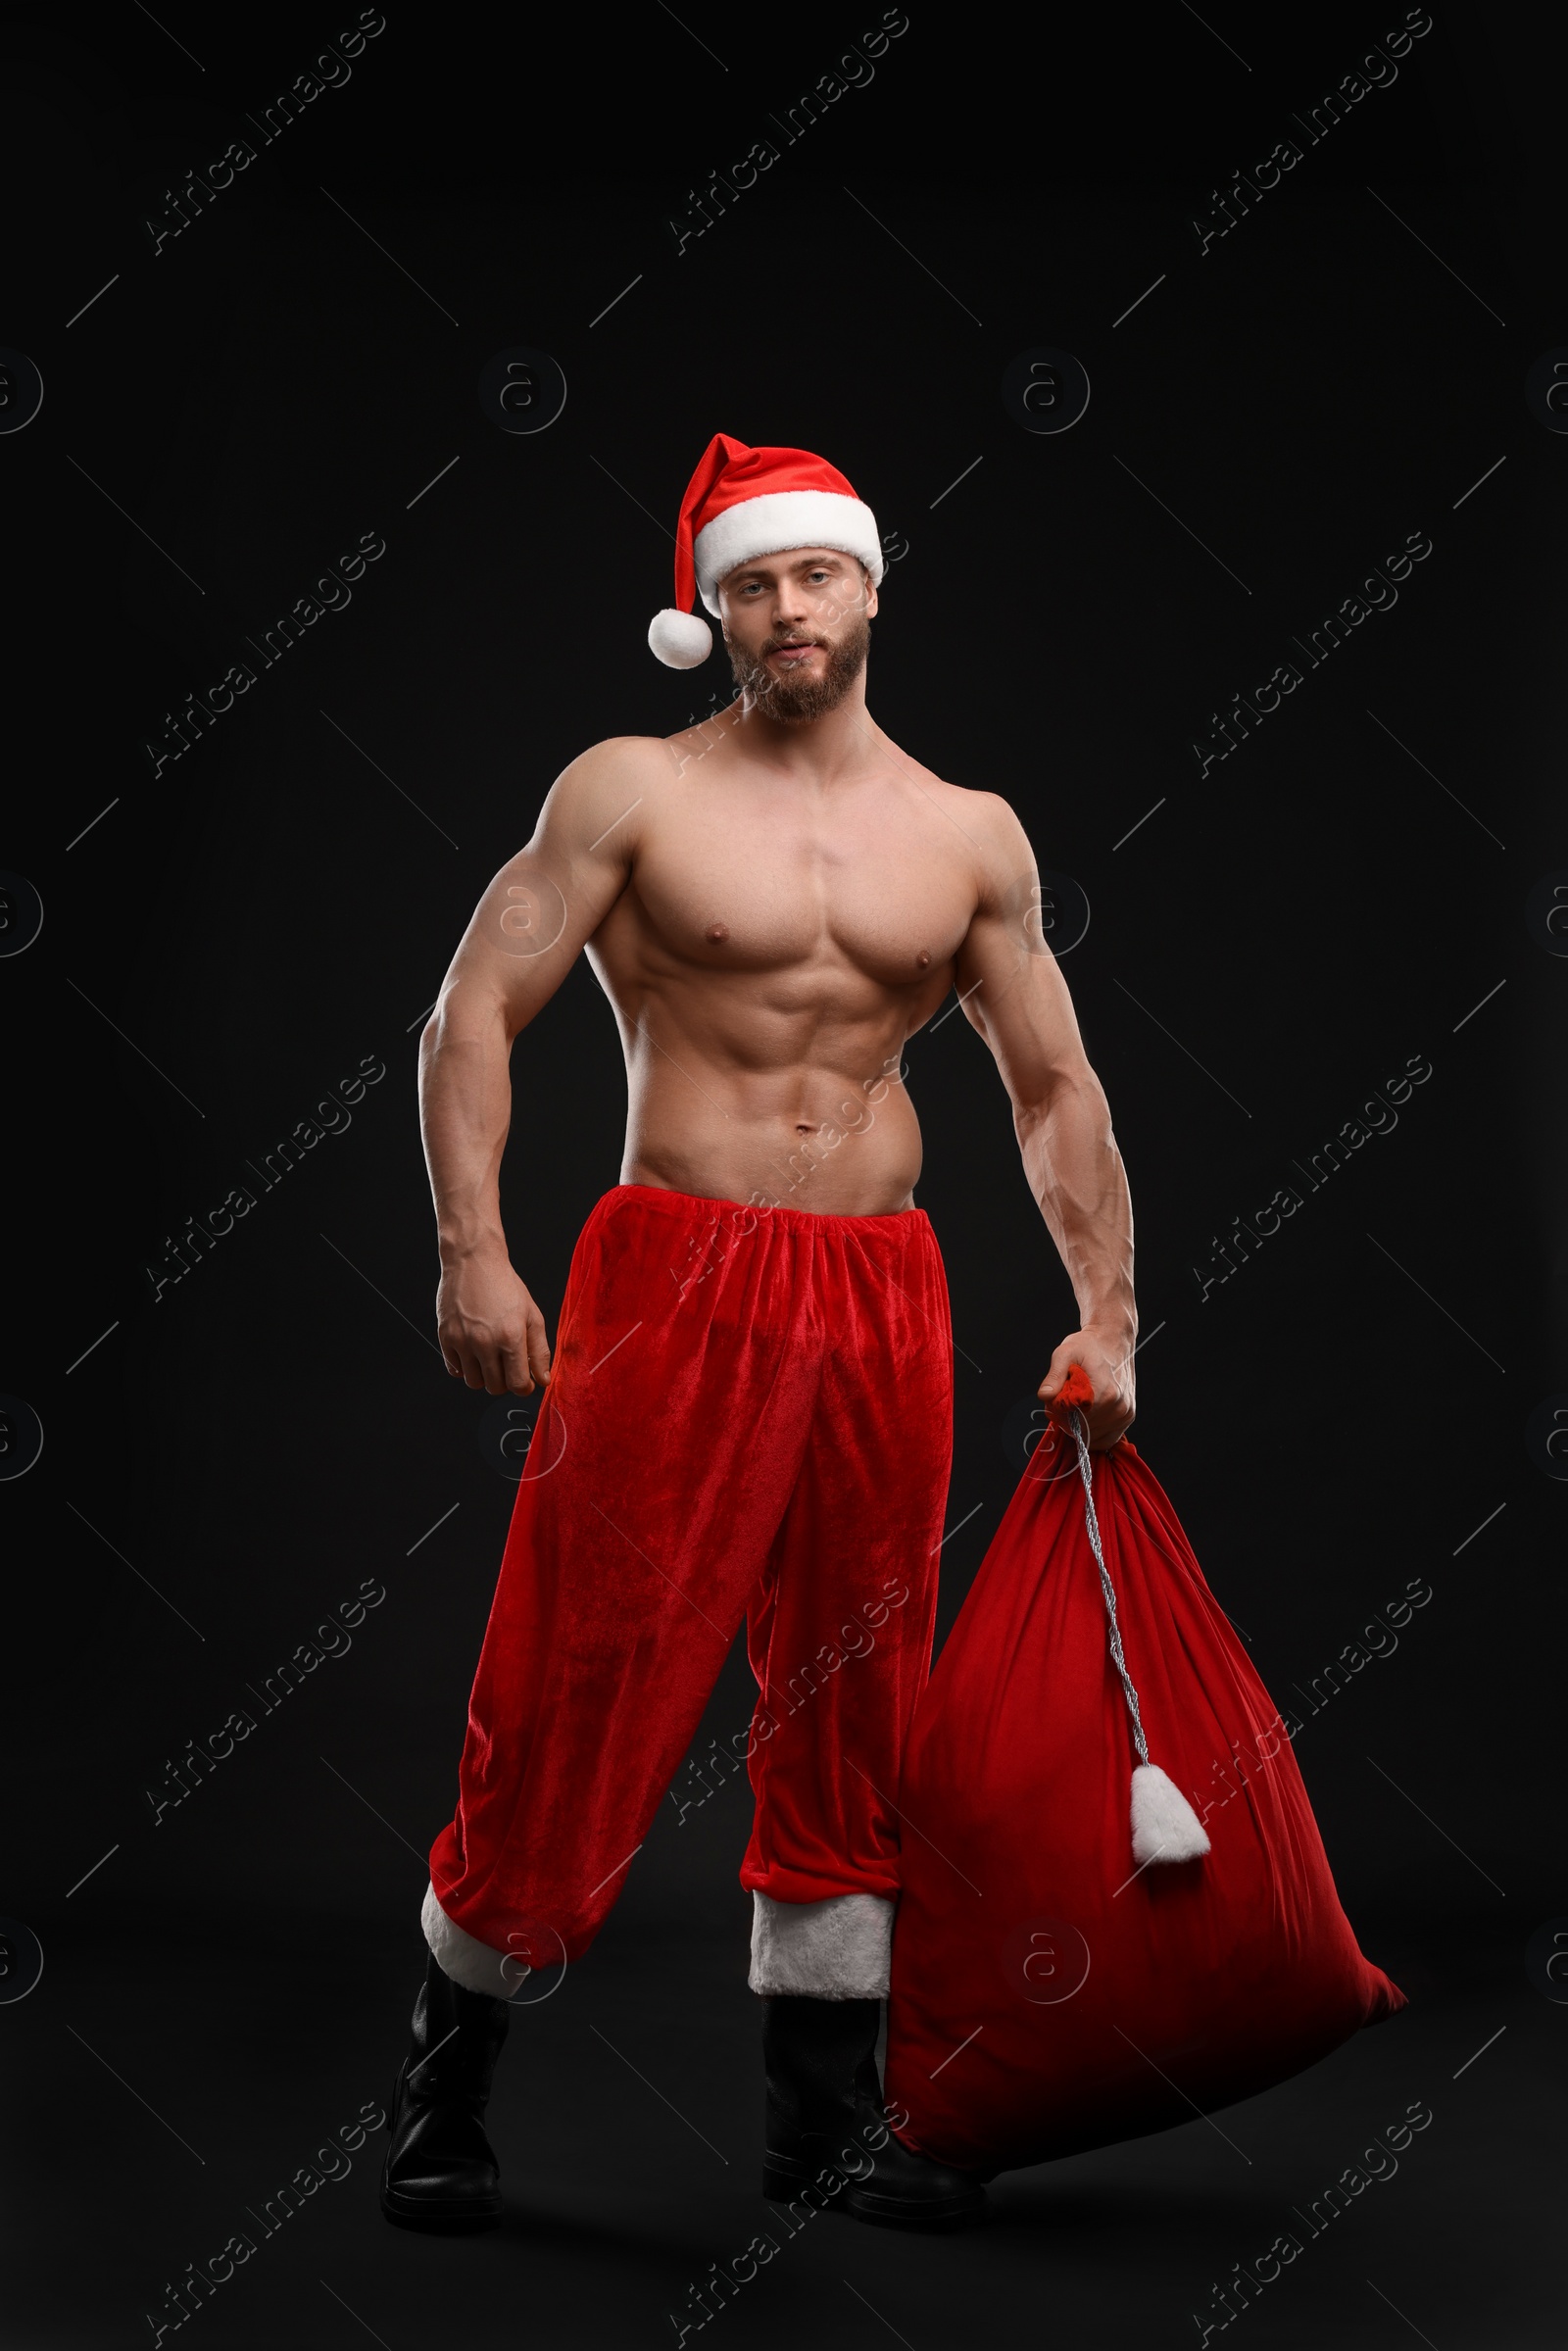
[492, 1334]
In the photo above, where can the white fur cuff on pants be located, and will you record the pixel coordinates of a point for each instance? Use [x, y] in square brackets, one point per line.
[839, 1949]
[463, 1957]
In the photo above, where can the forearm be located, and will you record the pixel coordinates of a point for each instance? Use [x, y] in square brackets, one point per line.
[1076, 1174]
[464, 1114]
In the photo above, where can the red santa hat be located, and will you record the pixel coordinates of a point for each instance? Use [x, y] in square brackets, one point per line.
[744, 502]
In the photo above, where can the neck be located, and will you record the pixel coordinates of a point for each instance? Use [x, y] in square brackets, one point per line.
[815, 749]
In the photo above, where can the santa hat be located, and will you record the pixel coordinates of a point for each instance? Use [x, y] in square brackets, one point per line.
[744, 502]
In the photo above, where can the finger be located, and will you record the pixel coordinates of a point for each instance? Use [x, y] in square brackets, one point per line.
[538, 1347]
[518, 1376]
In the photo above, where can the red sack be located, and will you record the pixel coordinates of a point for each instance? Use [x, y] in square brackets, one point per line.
[1048, 1993]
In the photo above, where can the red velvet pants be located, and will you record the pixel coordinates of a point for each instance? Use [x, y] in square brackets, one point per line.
[749, 1413]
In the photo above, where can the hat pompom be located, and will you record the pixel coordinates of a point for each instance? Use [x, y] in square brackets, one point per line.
[680, 640]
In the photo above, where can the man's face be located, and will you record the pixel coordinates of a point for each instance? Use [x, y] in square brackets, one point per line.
[797, 627]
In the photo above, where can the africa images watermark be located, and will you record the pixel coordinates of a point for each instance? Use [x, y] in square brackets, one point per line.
[1378, 595]
[332, 594]
[184, 2299]
[197, 1239]
[1378, 1116]
[1378, 1637]
[1377, 72]
[858, 1636]
[815, 2197]
[331, 72]
[1378, 2162]
[197, 1762]
[854, 71]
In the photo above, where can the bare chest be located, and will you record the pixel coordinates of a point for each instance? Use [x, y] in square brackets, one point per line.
[760, 883]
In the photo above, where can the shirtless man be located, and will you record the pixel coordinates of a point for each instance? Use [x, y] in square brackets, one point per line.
[748, 1410]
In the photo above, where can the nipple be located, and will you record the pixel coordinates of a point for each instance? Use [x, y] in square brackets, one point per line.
[924, 958]
[718, 932]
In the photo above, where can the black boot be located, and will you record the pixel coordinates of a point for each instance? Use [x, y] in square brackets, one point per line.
[826, 2128]
[440, 2169]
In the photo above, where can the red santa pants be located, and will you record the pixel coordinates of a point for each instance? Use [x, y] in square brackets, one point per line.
[749, 1413]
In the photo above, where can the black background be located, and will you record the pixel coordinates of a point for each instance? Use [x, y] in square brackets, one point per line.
[1281, 934]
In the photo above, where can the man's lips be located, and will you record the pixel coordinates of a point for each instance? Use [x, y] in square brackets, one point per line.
[793, 654]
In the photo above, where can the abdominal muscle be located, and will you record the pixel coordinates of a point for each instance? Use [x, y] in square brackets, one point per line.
[804, 1136]
[765, 1077]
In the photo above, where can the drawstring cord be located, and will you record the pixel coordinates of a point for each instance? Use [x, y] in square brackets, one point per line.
[1165, 1826]
[1080, 1430]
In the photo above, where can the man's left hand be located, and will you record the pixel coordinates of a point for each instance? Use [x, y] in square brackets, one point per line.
[1107, 1365]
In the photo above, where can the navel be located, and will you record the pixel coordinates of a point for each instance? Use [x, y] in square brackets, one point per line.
[718, 932]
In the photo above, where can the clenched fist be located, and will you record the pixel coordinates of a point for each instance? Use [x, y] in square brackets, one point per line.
[1108, 1362]
[492, 1334]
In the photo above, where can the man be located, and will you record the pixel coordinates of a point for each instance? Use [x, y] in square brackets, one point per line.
[748, 1406]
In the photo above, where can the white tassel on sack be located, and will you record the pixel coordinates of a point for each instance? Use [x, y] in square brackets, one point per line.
[1165, 1828]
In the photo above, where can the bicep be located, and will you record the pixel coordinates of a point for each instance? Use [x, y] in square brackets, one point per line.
[546, 902]
[1011, 983]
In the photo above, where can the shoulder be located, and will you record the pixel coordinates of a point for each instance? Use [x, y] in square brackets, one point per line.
[617, 757]
[1003, 873]
[986, 820]
[994, 822]
[602, 784]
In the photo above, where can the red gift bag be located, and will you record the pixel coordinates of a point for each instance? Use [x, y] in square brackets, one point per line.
[1063, 1975]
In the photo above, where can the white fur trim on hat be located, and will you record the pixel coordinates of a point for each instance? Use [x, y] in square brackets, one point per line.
[681, 640]
[780, 520]
[839, 1949]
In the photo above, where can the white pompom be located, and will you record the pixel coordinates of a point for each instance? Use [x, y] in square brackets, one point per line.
[681, 640]
[1165, 1828]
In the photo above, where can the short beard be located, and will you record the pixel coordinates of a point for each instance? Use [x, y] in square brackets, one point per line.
[788, 698]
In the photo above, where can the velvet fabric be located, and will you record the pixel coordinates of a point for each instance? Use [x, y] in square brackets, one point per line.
[1048, 1996]
[749, 1413]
